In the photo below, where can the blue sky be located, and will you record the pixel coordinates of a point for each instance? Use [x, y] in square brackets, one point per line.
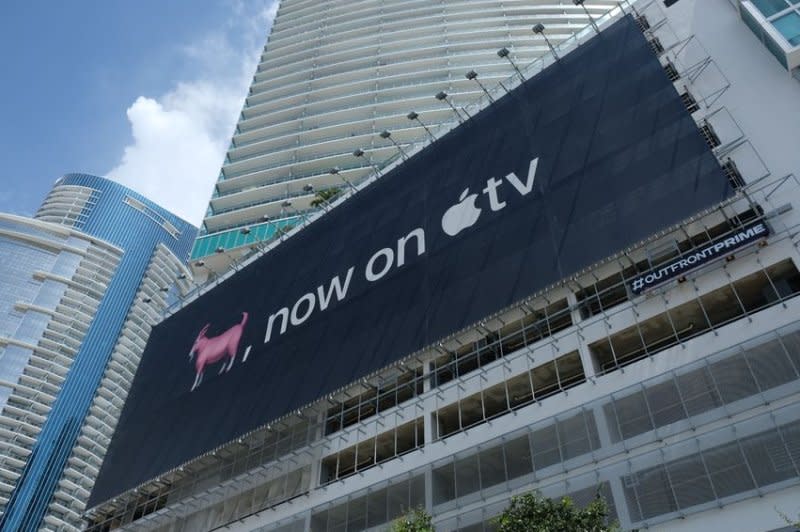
[144, 92]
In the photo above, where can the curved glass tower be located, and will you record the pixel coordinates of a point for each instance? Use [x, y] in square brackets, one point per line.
[335, 76]
[80, 285]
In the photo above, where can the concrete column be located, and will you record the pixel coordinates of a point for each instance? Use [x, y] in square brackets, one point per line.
[427, 416]
[316, 460]
[617, 491]
[583, 349]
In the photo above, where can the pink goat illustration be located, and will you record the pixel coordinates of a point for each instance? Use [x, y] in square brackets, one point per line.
[211, 350]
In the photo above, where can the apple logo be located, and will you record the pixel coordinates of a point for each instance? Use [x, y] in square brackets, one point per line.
[462, 215]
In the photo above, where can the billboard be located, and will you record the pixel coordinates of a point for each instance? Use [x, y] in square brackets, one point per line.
[595, 153]
[716, 249]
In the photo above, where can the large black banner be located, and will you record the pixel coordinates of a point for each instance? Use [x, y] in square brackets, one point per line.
[592, 155]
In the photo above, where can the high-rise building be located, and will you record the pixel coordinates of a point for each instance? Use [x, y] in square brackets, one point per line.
[335, 76]
[588, 286]
[81, 284]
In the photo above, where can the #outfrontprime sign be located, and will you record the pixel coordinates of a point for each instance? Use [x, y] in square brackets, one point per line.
[745, 236]
[592, 155]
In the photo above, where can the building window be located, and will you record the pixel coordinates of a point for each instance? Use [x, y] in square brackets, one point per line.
[742, 297]
[690, 102]
[540, 323]
[542, 381]
[789, 26]
[655, 44]
[671, 71]
[379, 399]
[370, 452]
[770, 7]
[784, 18]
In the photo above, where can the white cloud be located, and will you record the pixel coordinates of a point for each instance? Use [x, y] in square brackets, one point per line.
[180, 138]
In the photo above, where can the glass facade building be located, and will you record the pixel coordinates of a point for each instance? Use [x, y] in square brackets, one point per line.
[80, 285]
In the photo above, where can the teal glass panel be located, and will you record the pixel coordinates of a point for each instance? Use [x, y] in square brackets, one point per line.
[789, 26]
[234, 238]
[770, 7]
